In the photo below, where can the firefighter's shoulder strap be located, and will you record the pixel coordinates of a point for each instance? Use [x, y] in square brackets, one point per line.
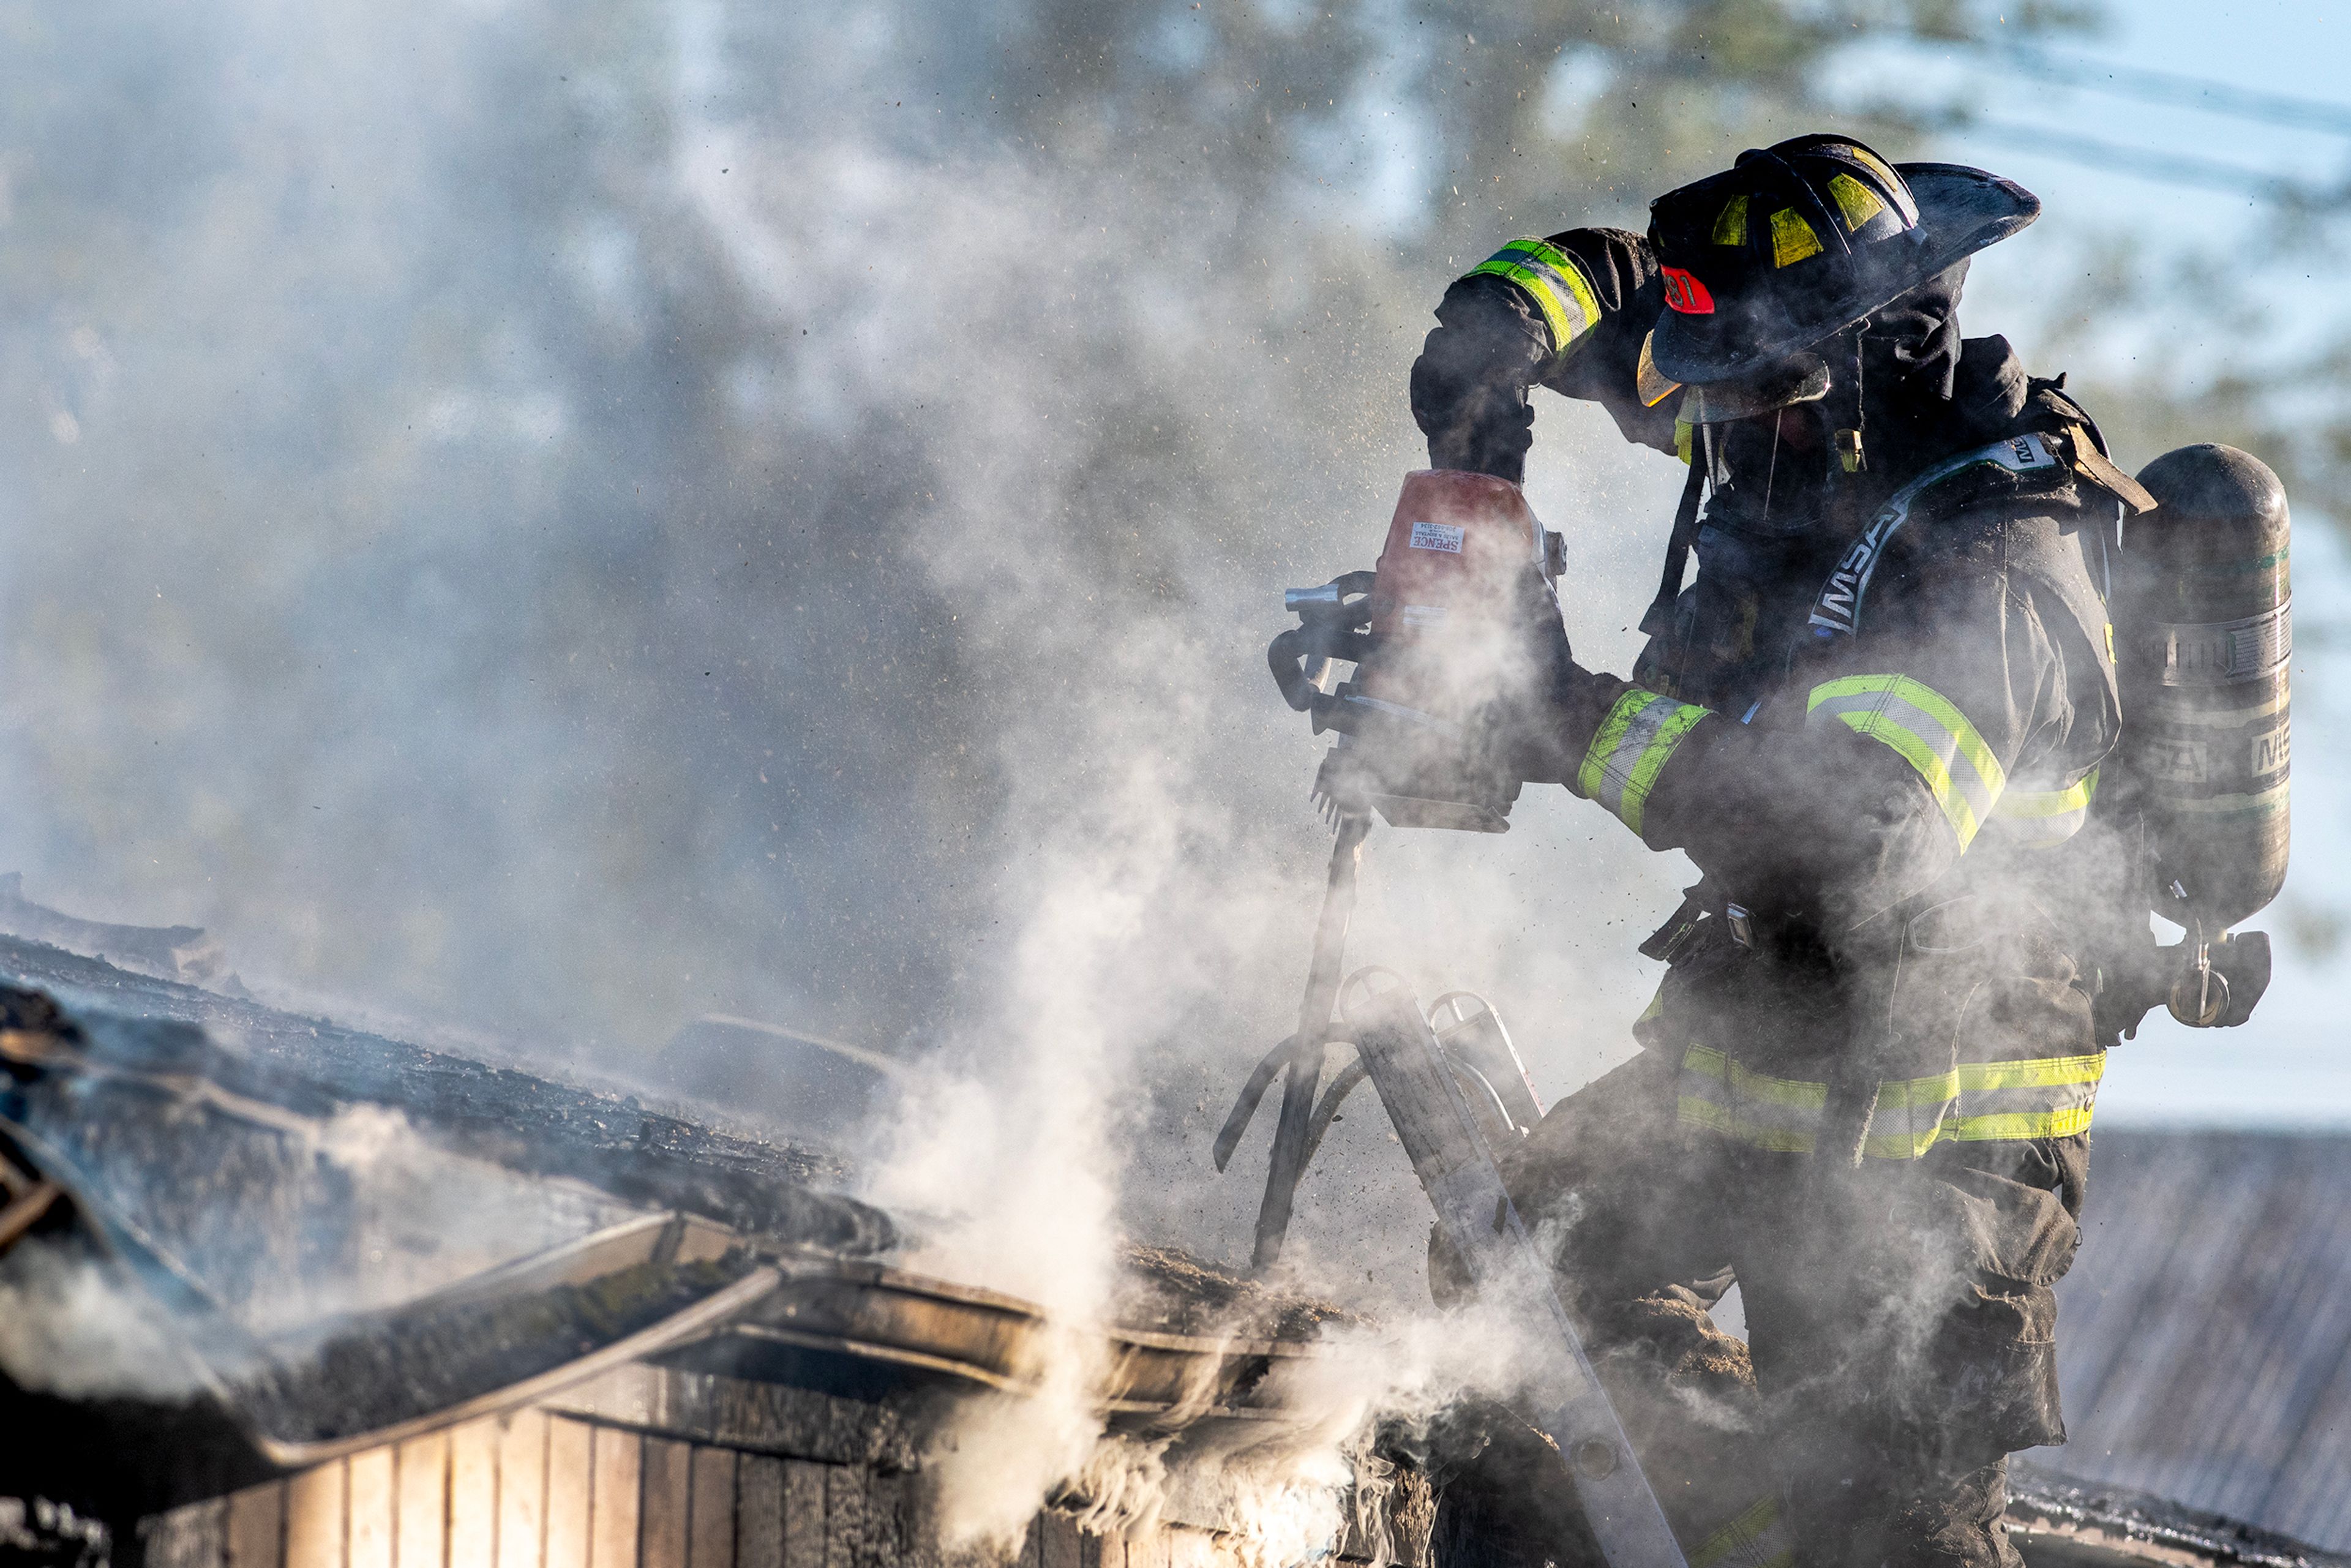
[1979, 484]
[2052, 459]
[2049, 410]
[2048, 551]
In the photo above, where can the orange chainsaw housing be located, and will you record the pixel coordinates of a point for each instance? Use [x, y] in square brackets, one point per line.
[1448, 591]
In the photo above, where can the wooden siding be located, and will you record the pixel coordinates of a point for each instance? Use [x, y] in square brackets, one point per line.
[544, 1490]
[536, 1491]
[2204, 1334]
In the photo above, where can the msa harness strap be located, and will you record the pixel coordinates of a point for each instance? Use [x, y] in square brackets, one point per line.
[2026, 462]
[2071, 449]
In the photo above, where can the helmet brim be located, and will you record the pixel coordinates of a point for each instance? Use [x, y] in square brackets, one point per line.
[1802, 379]
[1960, 212]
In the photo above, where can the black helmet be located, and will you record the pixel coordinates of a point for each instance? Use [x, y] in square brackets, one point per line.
[1797, 243]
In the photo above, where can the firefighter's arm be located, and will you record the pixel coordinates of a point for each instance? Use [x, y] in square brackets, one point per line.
[1571, 312]
[1871, 779]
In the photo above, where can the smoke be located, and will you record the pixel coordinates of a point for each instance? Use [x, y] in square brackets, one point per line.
[688, 507]
[1294, 1489]
[609, 520]
[678, 508]
[68, 1329]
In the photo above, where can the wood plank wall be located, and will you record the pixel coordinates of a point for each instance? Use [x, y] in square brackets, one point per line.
[537, 1489]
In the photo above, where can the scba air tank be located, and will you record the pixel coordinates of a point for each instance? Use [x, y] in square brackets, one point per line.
[2204, 615]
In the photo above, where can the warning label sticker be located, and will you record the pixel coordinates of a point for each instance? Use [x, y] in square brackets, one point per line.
[1446, 537]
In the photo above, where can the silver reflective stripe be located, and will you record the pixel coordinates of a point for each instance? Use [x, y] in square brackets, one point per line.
[1631, 748]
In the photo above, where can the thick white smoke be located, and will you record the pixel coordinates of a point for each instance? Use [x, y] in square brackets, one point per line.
[675, 507]
[1151, 931]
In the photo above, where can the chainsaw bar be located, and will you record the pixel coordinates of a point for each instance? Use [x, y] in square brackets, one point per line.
[1434, 1122]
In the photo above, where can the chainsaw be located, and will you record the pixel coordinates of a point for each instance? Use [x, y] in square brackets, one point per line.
[1438, 634]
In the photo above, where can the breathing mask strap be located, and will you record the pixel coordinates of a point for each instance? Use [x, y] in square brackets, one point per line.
[1659, 620]
[1853, 457]
[1850, 495]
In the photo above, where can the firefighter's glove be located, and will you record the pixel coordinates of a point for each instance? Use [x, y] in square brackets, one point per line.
[1546, 720]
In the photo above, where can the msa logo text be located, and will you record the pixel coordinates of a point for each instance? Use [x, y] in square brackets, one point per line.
[1840, 597]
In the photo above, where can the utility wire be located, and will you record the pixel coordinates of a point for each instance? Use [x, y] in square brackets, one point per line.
[2202, 93]
[2172, 87]
[2151, 86]
[2171, 168]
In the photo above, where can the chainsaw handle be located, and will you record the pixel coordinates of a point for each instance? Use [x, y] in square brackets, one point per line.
[1331, 626]
[1286, 656]
[1301, 654]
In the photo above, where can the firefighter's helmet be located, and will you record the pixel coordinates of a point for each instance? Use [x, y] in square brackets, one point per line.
[1800, 241]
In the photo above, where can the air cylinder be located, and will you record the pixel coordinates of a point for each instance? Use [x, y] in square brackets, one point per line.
[2206, 637]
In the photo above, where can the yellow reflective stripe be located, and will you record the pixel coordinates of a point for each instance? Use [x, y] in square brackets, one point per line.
[1608, 737]
[1974, 1102]
[2047, 1073]
[1730, 224]
[1900, 1094]
[2049, 802]
[1793, 238]
[1756, 1539]
[2043, 819]
[1901, 1145]
[1683, 440]
[1928, 731]
[1694, 1111]
[1794, 1094]
[2011, 1125]
[1703, 1113]
[1970, 741]
[1987, 1102]
[1553, 280]
[1902, 205]
[1653, 762]
[1631, 748]
[1782, 1114]
[1857, 201]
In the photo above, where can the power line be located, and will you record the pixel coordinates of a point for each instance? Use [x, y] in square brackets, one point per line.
[2171, 168]
[2206, 94]
[2173, 87]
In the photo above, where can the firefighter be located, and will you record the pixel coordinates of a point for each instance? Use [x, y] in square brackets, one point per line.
[1874, 721]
